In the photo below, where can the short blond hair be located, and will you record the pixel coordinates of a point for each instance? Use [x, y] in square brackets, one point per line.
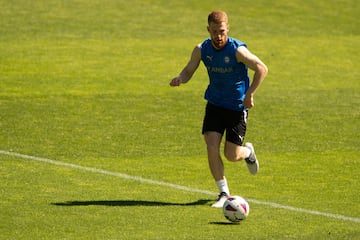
[217, 17]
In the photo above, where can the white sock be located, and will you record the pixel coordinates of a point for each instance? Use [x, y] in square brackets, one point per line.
[222, 186]
[247, 152]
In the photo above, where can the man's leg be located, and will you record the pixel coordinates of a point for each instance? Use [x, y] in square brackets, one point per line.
[213, 141]
[234, 152]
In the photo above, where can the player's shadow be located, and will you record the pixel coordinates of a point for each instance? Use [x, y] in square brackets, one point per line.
[127, 203]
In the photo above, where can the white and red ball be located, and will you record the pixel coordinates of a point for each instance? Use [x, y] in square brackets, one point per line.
[236, 208]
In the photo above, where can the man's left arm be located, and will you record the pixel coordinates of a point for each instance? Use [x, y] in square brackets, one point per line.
[254, 63]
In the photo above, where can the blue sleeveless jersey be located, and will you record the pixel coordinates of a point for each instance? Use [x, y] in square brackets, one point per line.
[229, 79]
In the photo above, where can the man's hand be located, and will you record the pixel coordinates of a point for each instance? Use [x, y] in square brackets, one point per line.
[175, 82]
[249, 101]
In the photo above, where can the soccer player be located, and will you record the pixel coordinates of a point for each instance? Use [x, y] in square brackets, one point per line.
[229, 95]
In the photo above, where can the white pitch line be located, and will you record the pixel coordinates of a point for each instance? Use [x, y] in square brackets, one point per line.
[175, 186]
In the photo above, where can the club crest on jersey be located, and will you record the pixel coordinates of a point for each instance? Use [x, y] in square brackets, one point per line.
[226, 59]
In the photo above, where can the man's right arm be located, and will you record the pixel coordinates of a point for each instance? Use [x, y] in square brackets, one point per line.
[189, 69]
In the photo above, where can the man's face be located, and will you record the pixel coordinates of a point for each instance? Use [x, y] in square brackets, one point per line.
[218, 33]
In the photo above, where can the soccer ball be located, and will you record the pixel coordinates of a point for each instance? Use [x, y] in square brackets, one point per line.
[236, 209]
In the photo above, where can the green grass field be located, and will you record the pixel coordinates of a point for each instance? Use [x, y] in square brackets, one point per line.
[86, 83]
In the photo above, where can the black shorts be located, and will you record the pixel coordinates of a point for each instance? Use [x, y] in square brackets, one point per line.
[218, 119]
